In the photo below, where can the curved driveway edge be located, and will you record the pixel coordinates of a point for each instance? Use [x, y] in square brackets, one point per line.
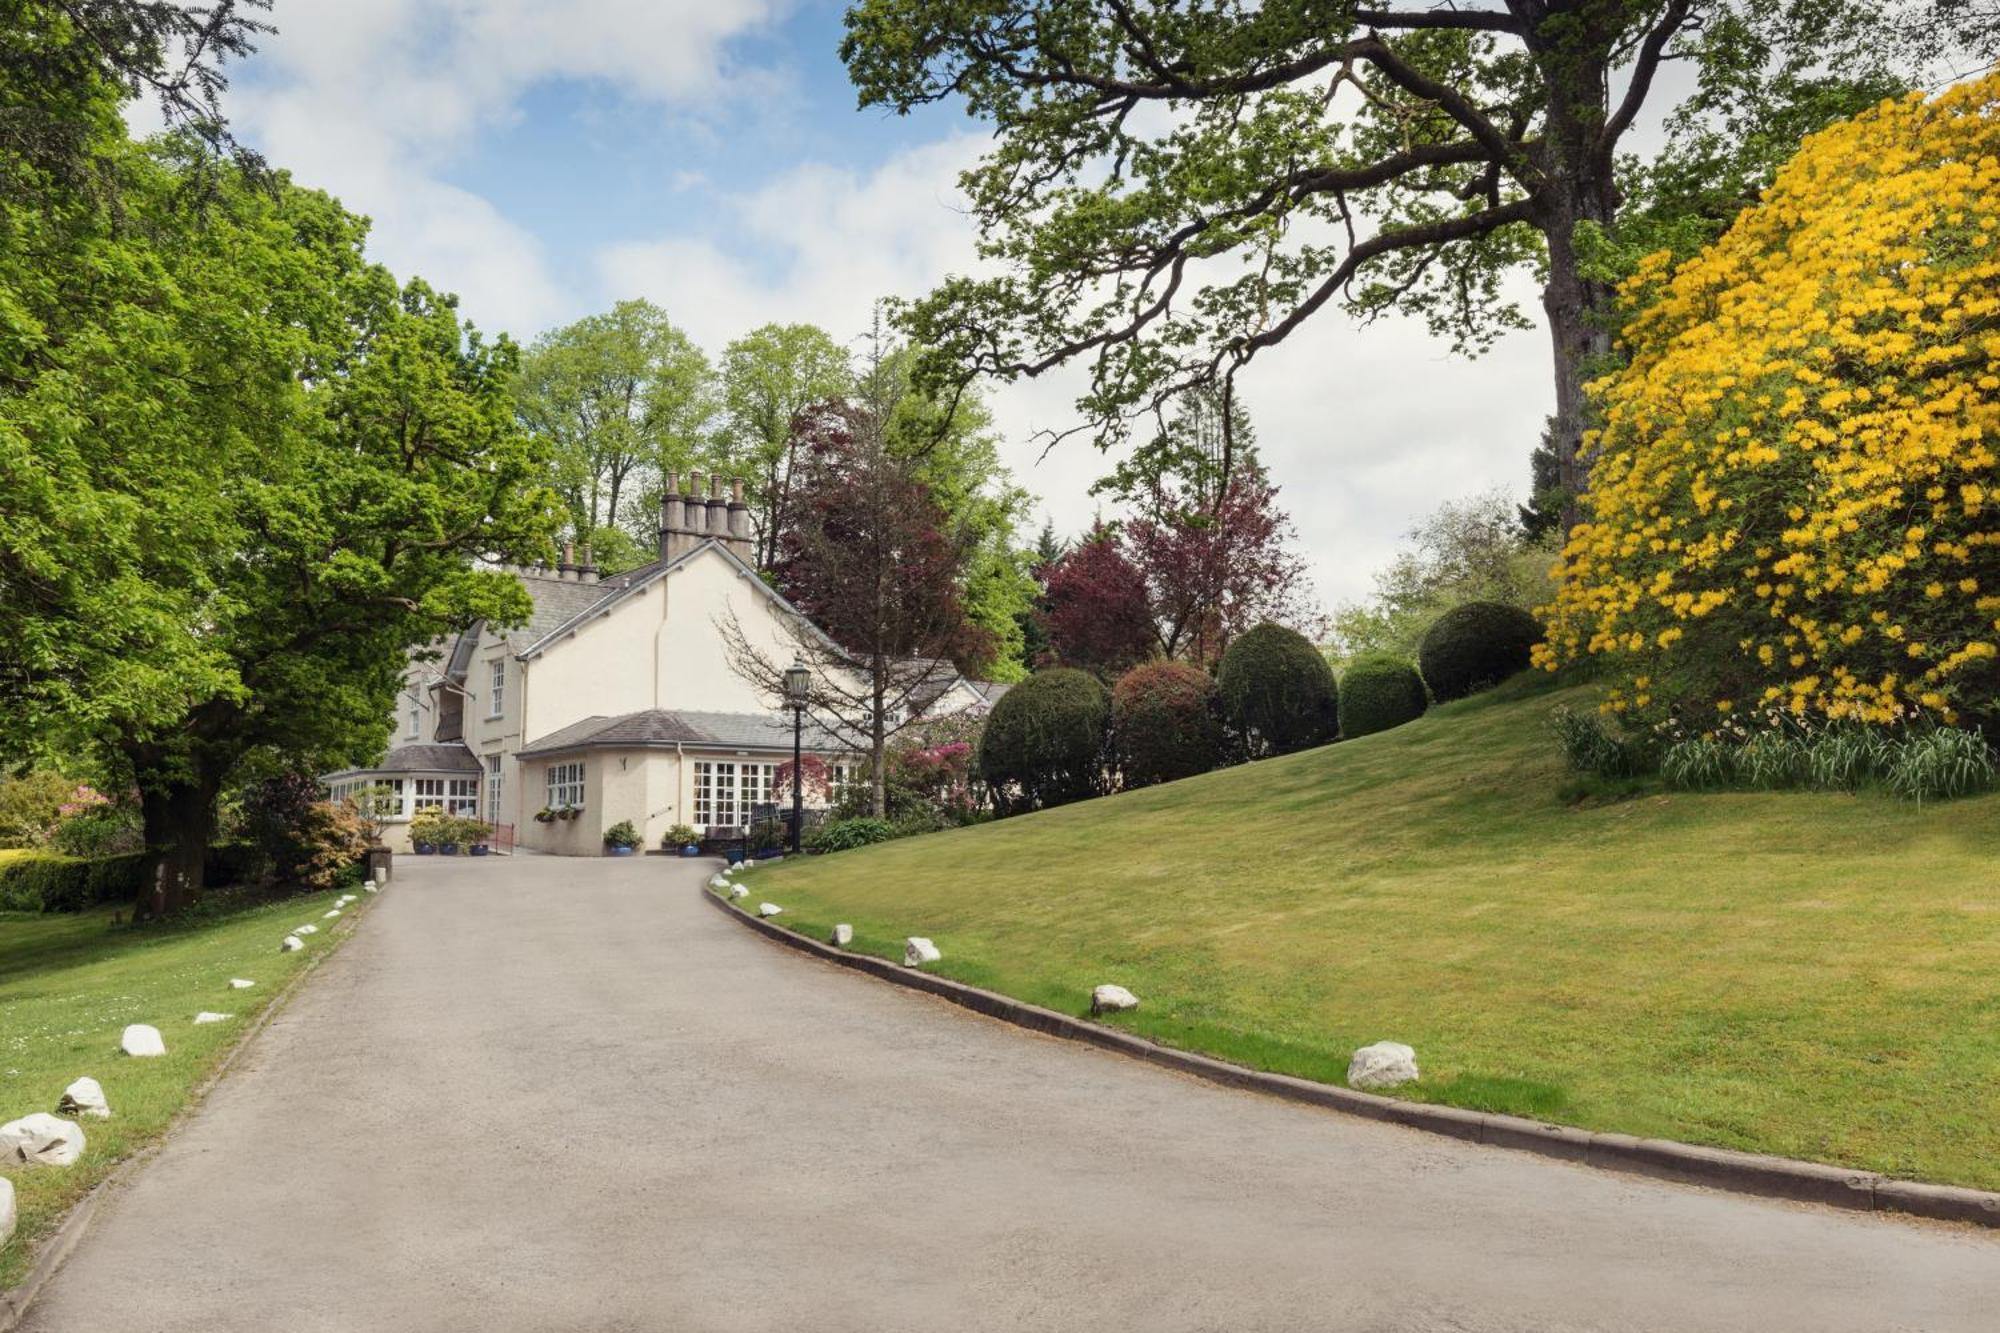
[1720, 1168]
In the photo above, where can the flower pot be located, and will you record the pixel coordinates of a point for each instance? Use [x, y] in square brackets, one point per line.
[619, 851]
[424, 848]
[480, 849]
[448, 849]
[692, 849]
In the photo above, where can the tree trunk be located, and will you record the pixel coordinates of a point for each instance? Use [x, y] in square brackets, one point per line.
[179, 820]
[878, 797]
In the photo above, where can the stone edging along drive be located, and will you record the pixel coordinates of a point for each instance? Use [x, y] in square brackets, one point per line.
[55, 1248]
[1744, 1173]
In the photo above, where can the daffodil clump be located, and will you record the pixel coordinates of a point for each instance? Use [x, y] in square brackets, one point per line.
[1794, 500]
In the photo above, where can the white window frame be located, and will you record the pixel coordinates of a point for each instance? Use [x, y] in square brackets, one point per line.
[756, 784]
[565, 784]
[427, 794]
[495, 785]
[416, 723]
[715, 793]
[461, 797]
[496, 694]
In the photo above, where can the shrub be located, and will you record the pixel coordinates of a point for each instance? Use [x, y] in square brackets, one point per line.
[52, 883]
[1045, 740]
[621, 834]
[31, 806]
[841, 835]
[1166, 721]
[1474, 646]
[1793, 498]
[327, 846]
[100, 830]
[1378, 692]
[1773, 761]
[770, 833]
[1589, 748]
[1698, 763]
[1846, 758]
[680, 835]
[1277, 691]
[433, 827]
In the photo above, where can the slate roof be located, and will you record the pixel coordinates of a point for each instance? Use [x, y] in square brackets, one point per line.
[558, 602]
[665, 728]
[425, 759]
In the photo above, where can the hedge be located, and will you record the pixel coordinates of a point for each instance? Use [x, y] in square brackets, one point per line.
[1044, 742]
[1377, 692]
[1278, 692]
[1166, 722]
[47, 882]
[1474, 646]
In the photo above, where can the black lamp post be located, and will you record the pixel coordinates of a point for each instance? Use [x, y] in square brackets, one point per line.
[797, 681]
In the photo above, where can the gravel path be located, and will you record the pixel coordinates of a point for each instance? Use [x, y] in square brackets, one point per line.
[544, 1094]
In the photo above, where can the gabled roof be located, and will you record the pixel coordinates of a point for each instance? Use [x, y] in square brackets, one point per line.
[663, 728]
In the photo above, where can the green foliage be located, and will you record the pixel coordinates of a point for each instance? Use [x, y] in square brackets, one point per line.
[680, 835]
[769, 376]
[42, 882]
[1699, 763]
[1166, 723]
[100, 830]
[1464, 551]
[1044, 742]
[1940, 764]
[1476, 646]
[840, 835]
[1377, 692]
[1848, 758]
[31, 806]
[622, 834]
[1589, 748]
[1277, 691]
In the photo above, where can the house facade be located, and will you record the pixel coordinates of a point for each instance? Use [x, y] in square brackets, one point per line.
[616, 702]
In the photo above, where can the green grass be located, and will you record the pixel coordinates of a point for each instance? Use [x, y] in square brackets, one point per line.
[69, 984]
[1807, 974]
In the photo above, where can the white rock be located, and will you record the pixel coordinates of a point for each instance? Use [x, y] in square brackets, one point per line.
[843, 935]
[84, 1097]
[7, 1215]
[768, 909]
[738, 891]
[371, 887]
[1111, 999]
[40, 1140]
[747, 864]
[238, 983]
[917, 951]
[206, 1017]
[292, 944]
[307, 929]
[142, 1039]
[717, 882]
[1383, 1065]
[328, 916]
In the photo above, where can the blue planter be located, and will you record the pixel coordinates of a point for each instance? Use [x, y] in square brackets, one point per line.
[480, 849]
[620, 851]
[448, 849]
[691, 850]
[424, 848]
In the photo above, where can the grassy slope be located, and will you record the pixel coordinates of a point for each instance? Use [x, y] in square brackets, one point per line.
[68, 987]
[1805, 974]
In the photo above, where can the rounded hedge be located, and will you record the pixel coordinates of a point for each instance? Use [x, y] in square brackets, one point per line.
[1277, 691]
[1474, 646]
[1044, 740]
[1166, 723]
[1377, 692]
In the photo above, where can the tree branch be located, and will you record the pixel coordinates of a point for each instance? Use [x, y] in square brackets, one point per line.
[1644, 67]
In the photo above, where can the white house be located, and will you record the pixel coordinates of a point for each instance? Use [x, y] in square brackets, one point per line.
[617, 700]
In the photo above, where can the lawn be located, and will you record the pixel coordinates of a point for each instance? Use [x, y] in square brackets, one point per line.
[1814, 975]
[68, 986]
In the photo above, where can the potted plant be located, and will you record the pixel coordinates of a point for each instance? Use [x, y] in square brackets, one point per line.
[569, 812]
[545, 816]
[430, 832]
[621, 839]
[473, 833]
[682, 838]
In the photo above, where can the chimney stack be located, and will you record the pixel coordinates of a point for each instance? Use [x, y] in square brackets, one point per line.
[689, 517]
[739, 523]
[670, 515]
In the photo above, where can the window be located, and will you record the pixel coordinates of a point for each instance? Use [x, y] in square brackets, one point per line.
[565, 784]
[758, 780]
[496, 692]
[416, 723]
[462, 797]
[715, 794]
[493, 781]
[839, 778]
[429, 795]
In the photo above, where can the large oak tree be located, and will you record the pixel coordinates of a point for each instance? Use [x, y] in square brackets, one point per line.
[1177, 187]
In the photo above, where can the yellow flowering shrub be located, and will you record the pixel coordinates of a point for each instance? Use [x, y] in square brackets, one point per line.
[1793, 502]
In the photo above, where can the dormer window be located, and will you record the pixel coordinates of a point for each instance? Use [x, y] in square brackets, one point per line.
[496, 693]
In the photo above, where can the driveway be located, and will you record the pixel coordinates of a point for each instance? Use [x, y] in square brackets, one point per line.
[552, 1094]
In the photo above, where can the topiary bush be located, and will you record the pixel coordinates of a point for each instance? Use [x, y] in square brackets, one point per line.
[1044, 742]
[1377, 692]
[51, 883]
[1474, 646]
[1277, 691]
[1166, 723]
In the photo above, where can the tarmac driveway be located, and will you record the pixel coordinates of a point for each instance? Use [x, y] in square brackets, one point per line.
[534, 1093]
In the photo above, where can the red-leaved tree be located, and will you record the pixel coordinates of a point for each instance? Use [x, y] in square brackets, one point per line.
[869, 557]
[1095, 612]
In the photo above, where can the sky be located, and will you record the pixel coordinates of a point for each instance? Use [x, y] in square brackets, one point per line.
[546, 158]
